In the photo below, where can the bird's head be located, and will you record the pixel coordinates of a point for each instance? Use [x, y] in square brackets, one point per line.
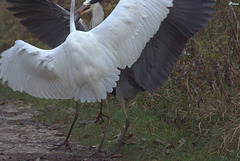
[88, 6]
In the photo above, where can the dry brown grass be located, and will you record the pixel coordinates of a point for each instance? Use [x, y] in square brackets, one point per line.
[209, 77]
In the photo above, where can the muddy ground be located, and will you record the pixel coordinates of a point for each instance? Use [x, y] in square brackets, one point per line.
[24, 139]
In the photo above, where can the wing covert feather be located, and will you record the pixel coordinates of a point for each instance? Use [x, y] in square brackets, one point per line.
[53, 74]
[185, 19]
[130, 26]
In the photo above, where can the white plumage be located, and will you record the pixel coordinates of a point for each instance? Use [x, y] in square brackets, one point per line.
[85, 66]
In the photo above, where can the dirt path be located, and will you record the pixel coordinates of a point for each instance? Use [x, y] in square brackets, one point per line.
[23, 138]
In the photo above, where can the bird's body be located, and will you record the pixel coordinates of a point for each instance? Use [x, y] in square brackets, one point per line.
[127, 87]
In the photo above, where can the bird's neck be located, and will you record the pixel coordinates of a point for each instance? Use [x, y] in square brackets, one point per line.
[72, 22]
[97, 15]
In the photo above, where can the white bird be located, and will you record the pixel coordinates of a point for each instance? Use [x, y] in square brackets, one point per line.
[45, 19]
[85, 66]
[124, 36]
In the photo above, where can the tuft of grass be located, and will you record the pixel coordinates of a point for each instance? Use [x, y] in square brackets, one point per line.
[208, 78]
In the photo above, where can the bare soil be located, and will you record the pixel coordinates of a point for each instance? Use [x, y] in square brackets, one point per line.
[24, 139]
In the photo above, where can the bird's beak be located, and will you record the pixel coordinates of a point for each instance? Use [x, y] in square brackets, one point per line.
[82, 10]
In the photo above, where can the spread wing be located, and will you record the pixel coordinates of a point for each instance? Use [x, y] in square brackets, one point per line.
[185, 19]
[46, 20]
[61, 73]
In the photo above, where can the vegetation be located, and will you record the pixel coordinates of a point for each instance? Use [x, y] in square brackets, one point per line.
[195, 115]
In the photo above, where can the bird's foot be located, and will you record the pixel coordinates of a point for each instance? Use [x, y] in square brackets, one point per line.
[97, 119]
[59, 145]
[104, 154]
[100, 117]
[115, 153]
[99, 153]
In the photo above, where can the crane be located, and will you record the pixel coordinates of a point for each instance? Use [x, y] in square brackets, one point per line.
[49, 22]
[37, 24]
[160, 30]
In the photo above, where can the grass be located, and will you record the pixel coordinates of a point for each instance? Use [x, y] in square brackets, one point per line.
[195, 115]
[148, 138]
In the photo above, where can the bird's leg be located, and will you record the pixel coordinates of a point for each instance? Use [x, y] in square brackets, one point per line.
[121, 101]
[58, 145]
[99, 116]
[99, 150]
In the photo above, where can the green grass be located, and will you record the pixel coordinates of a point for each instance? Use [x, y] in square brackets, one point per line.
[150, 136]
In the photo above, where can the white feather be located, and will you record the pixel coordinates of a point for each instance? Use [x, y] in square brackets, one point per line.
[85, 66]
[130, 26]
